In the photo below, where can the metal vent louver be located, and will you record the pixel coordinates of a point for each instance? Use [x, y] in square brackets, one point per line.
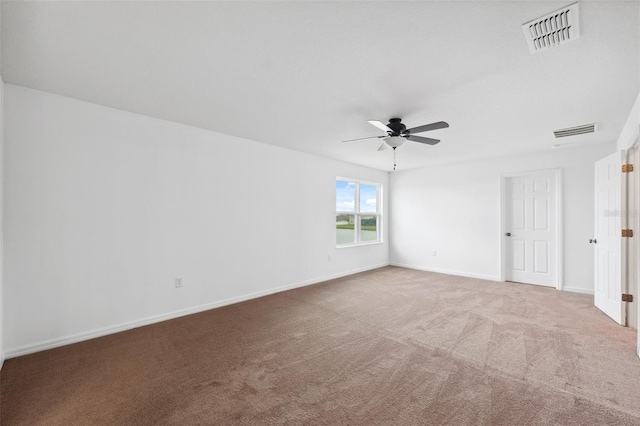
[578, 130]
[553, 29]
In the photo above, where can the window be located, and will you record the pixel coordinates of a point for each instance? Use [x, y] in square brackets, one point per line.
[358, 206]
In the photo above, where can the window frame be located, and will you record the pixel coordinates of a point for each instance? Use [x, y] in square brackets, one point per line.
[357, 213]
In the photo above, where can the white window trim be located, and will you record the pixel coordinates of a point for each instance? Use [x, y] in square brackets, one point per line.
[358, 214]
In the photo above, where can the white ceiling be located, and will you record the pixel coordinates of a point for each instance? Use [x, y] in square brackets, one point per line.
[307, 75]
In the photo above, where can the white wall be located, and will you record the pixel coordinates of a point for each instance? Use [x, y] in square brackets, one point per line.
[455, 210]
[1, 222]
[104, 208]
[631, 128]
[1, 211]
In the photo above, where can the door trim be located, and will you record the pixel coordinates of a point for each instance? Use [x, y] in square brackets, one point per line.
[630, 201]
[557, 173]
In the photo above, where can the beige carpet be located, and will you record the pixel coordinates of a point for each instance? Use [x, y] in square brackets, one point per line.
[391, 346]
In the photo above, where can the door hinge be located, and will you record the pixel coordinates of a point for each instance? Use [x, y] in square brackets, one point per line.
[627, 232]
[627, 168]
[627, 297]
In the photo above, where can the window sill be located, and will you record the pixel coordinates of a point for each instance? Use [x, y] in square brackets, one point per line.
[359, 244]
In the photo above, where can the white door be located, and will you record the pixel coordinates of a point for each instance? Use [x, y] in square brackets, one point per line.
[607, 236]
[531, 228]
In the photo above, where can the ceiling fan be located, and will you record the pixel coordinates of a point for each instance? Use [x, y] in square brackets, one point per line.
[397, 134]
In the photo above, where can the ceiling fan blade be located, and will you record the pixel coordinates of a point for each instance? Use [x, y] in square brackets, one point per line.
[380, 125]
[427, 127]
[361, 139]
[421, 139]
[383, 147]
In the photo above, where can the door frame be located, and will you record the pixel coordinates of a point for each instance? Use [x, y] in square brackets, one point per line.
[559, 258]
[631, 205]
[635, 143]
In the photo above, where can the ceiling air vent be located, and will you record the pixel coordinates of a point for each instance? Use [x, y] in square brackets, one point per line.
[553, 29]
[578, 130]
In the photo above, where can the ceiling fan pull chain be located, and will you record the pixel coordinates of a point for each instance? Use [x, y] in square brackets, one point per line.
[394, 158]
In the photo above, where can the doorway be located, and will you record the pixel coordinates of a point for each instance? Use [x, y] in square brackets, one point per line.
[531, 228]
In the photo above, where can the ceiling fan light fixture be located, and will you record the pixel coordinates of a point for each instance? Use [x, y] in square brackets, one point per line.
[394, 141]
[398, 134]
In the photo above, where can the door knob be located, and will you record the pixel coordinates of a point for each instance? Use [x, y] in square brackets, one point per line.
[508, 234]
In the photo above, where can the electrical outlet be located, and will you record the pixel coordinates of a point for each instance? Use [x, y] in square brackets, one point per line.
[434, 253]
[178, 282]
[328, 258]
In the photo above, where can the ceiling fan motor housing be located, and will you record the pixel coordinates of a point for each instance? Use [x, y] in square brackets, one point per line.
[396, 126]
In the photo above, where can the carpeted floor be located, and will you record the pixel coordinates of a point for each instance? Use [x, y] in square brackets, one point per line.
[391, 346]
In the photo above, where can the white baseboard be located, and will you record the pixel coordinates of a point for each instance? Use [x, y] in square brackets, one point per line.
[92, 334]
[578, 290]
[447, 271]
[481, 276]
